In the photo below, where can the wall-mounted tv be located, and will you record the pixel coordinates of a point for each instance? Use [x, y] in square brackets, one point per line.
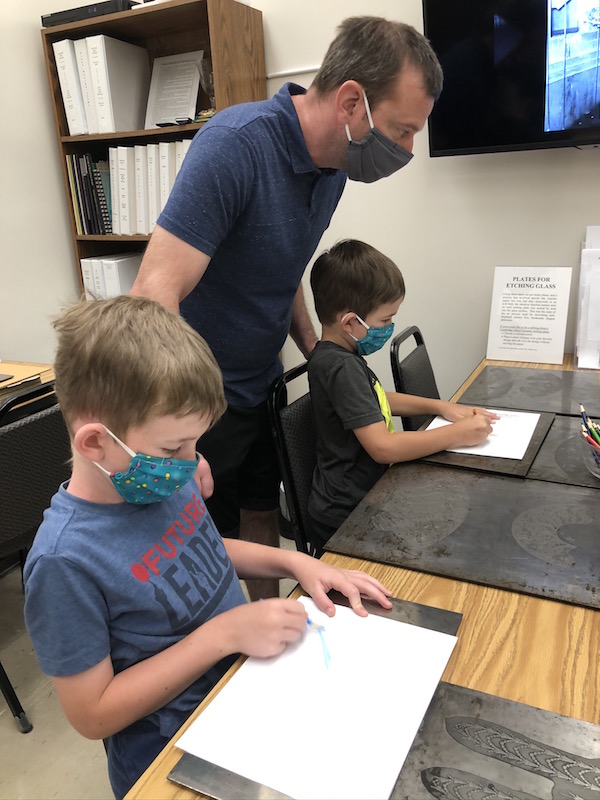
[518, 74]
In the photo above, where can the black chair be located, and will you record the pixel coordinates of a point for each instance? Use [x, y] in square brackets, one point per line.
[413, 373]
[296, 443]
[34, 446]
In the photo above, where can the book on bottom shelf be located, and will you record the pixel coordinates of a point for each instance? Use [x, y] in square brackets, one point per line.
[98, 284]
[120, 272]
[109, 275]
[87, 276]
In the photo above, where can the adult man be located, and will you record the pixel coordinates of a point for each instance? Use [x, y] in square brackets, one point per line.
[256, 192]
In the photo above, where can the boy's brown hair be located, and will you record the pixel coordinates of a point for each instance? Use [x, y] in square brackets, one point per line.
[129, 359]
[353, 276]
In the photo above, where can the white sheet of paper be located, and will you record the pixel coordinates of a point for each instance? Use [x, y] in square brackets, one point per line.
[510, 438]
[326, 732]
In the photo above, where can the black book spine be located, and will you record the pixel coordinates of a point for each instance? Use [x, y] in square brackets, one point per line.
[85, 221]
[102, 201]
[88, 188]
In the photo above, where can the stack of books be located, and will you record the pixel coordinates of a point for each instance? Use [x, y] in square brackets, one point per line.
[89, 181]
[104, 84]
[109, 275]
[125, 193]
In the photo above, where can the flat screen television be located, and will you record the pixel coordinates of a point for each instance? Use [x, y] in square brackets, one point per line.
[518, 74]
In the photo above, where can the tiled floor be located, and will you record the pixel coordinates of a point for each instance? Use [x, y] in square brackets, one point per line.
[52, 761]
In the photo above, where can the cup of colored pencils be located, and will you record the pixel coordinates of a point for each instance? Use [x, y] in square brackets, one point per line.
[590, 441]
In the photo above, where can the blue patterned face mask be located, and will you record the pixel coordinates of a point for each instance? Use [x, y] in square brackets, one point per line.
[150, 479]
[375, 338]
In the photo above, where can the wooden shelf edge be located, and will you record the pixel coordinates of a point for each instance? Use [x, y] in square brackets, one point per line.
[113, 237]
[141, 134]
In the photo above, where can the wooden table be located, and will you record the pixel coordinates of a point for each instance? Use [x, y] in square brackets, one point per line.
[567, 365]
[535, 651]
[22, 371]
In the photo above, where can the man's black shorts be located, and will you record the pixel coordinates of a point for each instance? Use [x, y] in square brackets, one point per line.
[242, 456]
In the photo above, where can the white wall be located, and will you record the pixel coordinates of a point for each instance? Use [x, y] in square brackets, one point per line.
[447, 222]
[37, 265]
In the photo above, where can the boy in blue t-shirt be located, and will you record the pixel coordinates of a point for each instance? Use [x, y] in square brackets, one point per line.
[357, 292]
[132, 598]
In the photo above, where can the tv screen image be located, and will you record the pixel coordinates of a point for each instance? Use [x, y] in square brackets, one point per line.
[518, 74]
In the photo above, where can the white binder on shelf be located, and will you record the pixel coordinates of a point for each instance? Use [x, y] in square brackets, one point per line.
[120, 272]
[85, 82]
[120, 76]
[70, 88]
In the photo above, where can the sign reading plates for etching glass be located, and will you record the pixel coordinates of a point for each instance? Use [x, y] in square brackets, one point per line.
[528, 317]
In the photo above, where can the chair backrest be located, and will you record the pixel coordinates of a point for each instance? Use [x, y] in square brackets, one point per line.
[34, 459]
[296, 444]
[413, 373]
[24, 402]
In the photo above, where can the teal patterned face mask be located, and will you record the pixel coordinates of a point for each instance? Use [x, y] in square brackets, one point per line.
[150, 479]
[375, 338]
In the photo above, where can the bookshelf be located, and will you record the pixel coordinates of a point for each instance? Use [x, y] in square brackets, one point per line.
[233, 35]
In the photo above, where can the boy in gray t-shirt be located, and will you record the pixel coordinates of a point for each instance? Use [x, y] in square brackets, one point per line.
[357, 292]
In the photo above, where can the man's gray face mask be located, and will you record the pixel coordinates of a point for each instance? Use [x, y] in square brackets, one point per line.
[376, 156]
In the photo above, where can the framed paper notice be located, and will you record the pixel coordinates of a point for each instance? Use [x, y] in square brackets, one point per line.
[173, 88]
[528, 318]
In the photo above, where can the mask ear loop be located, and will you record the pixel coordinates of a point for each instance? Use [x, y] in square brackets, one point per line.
[369, 117]
[116, 438]
[362, 322]
[368, 109]
[123, 445]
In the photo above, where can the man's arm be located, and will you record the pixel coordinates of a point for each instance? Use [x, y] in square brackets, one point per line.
[302, 330]
[169, 270]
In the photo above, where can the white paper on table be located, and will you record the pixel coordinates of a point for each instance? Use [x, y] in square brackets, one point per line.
[326, 732]
[509, 439]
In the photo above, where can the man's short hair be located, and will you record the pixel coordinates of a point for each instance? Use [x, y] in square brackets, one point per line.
[373, 51]
[353, 276]
[129, 359]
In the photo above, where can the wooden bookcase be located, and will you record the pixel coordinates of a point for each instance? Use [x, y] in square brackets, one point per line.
[233, 34]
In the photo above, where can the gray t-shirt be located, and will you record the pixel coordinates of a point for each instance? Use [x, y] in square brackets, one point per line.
[342, 389]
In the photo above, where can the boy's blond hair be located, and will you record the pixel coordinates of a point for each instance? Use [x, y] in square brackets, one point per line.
[129, 359]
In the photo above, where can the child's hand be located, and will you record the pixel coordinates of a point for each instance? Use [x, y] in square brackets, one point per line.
[265, 628]
[453, 412]
[318, 578]
[204, 478]
[471, 430]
